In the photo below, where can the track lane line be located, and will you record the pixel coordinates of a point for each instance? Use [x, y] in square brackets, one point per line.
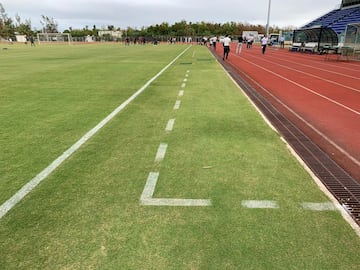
[314, 76]
[304, 87]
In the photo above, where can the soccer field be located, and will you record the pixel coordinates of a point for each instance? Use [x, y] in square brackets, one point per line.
[186, 176]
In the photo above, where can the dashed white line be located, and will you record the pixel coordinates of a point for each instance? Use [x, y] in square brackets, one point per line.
[328, 206]
[160, 155]
[181, 93]
[259, 204]
[177, 105]
[170, 125]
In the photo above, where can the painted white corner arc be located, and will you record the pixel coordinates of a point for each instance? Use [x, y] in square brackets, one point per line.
[27, 188]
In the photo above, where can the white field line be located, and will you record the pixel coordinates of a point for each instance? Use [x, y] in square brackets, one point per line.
[177, 105]
[183, 85]
[306, 88]
[170, 125]
[328, 206]
[27, 188]
[160, 155]
[181, 93]
[148, 192]
[259, 204]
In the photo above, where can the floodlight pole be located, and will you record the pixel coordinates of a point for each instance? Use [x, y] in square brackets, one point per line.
[268, 20]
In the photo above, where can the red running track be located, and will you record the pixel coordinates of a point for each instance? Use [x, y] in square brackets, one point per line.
[322, 97]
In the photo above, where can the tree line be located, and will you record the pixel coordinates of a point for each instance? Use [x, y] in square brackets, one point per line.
[9, 27]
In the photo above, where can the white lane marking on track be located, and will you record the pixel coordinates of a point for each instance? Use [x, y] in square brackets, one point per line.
[337, 73]
[306, 88]
[27, 188]
[177, 105]
[320, 78]
[160, 155]
[170, 125]
[148, 192]
[254, 204]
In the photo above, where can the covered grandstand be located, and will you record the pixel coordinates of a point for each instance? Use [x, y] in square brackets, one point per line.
[331, 29]
[338, 19]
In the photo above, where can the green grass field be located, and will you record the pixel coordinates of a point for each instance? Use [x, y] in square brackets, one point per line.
[87, 214]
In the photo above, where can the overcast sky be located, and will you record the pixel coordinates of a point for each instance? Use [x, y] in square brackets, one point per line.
[137, 13]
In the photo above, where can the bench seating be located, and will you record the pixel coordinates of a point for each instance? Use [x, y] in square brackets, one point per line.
[309, 47]
[295, 47]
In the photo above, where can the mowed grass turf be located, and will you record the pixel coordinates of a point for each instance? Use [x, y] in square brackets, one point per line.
[87, 214]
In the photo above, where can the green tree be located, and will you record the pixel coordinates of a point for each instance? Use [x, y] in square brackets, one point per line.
[49, 24]
[7, 29]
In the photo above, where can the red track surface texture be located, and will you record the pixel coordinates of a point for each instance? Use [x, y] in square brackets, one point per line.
[322, 97]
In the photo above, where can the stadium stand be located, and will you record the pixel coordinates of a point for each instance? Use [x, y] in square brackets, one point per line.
[338, 19]
[336, 32]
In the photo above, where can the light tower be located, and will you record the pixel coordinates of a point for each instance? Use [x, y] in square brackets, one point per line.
[268, 20]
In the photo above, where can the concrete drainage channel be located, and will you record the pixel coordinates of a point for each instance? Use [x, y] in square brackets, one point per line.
[338, 182]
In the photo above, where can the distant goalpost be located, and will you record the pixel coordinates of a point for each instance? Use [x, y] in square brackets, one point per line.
[54, 38]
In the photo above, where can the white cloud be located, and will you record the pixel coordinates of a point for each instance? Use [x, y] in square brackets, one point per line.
[138, 13]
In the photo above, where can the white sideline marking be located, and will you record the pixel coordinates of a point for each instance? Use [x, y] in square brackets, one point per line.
[177, 105]
[170, 125]
[148, 192]
[319, 206]
[183, 85]
[259, 204]
[181, 93]
[185, 80]
[186, 75]
[27, 188]
[160, 155]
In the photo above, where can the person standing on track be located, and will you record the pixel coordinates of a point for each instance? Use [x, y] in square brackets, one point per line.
[264, 42]
[239, 46]
[226, 44]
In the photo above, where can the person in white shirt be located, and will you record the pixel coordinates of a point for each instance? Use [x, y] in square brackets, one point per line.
[226, 44]
[264, 42]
